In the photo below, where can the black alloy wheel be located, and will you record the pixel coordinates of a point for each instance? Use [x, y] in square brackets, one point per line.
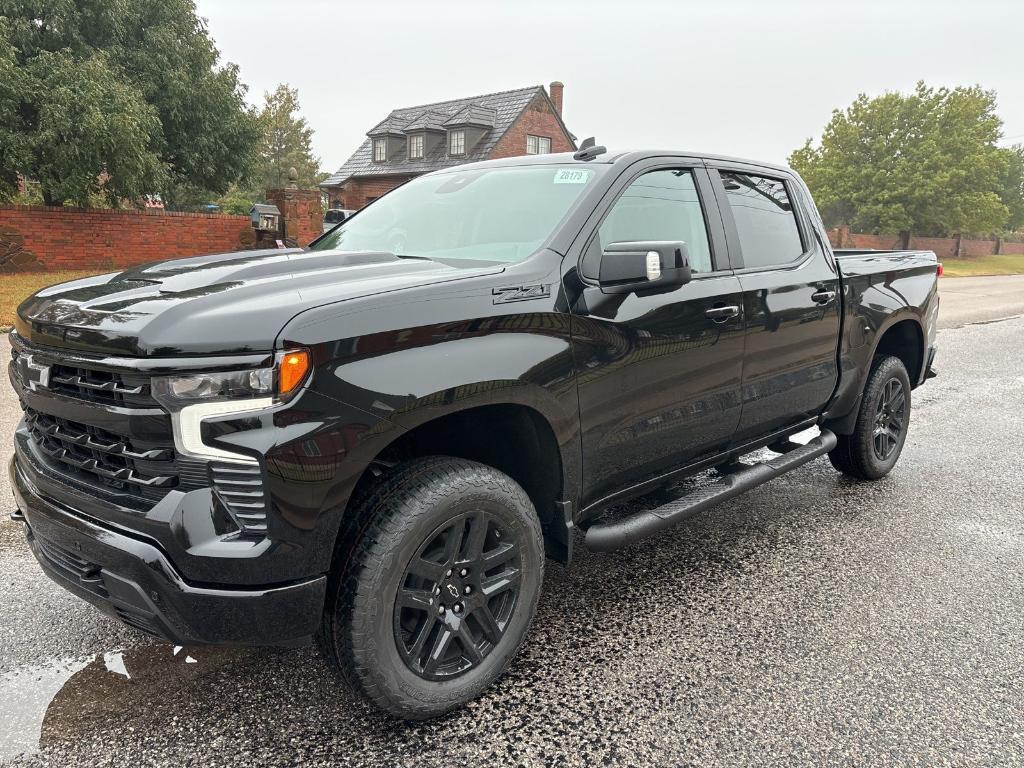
[890, 417]
[457, 596]
[439, 570]
[872, 448]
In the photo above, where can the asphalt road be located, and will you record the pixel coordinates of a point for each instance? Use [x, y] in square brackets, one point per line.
[812, 621]
[979, 299]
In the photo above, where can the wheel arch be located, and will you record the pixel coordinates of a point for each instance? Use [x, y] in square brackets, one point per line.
[513, 437]
[902, 336]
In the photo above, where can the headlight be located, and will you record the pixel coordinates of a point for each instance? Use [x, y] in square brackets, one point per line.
[279, 382]
[215, 386]
[193, 397]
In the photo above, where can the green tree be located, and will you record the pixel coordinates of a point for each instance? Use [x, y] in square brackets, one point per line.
[237, 200]
[1012, 192]
[132, 92]
[287, 143]
[14, 142]
[925, 162]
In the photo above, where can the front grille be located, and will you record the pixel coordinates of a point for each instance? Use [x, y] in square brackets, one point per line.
[131, 459]
[102, 386]
[95, 455]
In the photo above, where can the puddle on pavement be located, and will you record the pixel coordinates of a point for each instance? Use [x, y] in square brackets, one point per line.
[60, 700]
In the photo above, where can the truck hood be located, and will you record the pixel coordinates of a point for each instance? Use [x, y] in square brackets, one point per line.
[221, 304]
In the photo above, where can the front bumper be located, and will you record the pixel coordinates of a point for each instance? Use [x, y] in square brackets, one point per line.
[135, 582]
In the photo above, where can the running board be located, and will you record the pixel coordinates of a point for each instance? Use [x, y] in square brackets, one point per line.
[605, 537]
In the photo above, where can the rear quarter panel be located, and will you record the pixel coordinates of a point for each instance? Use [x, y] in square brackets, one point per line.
[880, 290]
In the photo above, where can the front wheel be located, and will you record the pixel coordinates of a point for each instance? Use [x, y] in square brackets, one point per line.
[874, 447]
[439, 590]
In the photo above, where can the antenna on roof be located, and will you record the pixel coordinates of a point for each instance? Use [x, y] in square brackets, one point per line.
[588, 150]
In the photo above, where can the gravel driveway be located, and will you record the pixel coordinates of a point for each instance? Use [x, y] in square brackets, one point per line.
[812, 621]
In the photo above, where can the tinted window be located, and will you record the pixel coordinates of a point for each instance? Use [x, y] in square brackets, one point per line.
[660, 205]
[765, 220]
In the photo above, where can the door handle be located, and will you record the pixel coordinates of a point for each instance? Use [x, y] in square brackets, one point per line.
[721, 314]
[823, 297]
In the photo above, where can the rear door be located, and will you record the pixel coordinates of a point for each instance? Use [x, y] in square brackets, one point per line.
[658, 376]
[791, 298]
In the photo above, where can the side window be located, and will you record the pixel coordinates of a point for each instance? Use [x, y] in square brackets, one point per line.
[660, 205]
[765, 221]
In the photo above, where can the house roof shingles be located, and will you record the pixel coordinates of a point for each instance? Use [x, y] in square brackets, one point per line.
[498, 109]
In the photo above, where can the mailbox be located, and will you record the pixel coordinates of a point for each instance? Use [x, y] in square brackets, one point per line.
[265, 217]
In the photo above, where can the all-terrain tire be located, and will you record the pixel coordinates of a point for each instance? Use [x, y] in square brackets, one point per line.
[858, 455]
[387, 529]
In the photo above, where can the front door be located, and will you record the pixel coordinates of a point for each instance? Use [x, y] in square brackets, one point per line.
[658, 376]
[791, 300]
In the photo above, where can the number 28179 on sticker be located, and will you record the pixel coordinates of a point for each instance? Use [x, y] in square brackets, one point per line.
[571, 176]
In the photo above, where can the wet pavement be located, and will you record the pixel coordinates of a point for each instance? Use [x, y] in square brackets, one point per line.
[812, 621]
[980, 299]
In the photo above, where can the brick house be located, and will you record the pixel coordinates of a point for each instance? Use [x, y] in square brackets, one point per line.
[415, 140]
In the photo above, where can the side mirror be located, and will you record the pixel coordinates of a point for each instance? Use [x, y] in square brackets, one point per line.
[643, 268]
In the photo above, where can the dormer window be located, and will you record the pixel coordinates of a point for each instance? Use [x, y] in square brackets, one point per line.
[380, 150]
[416, 146]
[457, 142]
[538, 145]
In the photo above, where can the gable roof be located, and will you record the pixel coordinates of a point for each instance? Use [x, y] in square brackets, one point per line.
[494, 112]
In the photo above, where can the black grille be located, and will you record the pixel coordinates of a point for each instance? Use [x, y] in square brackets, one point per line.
[101, 386]
[142, 621]
[240, 489]
[95, 455]
[72, 567]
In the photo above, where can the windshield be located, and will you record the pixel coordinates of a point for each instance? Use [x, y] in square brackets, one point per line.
[491, 214]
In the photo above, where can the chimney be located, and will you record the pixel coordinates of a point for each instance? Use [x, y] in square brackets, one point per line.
[555, 89]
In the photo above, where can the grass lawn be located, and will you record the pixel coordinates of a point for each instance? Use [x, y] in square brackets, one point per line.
[1007, 264]
[17, 287]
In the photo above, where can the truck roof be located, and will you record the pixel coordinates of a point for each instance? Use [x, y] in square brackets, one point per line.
[608, 158]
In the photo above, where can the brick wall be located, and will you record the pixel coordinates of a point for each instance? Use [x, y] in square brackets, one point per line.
[37, 238]
[538, 119]
[944, 247]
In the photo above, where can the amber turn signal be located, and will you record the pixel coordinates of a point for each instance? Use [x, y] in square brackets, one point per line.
[292, 370]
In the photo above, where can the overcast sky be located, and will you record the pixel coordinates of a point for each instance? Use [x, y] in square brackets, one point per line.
[753, 78]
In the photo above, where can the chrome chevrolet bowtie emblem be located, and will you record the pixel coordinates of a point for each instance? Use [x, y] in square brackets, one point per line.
[452, 590]
[35, 375]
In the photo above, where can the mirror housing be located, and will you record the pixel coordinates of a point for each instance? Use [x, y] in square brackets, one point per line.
[644, 267]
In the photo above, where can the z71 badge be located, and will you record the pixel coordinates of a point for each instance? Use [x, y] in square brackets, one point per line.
[520, 293]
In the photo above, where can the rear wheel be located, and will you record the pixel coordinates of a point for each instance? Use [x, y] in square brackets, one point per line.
[439, 590]
[882, 423]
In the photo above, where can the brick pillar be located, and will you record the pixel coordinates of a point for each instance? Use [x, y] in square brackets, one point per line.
[301, 212]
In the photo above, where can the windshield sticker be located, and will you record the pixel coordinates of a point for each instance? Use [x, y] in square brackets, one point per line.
[571, 176]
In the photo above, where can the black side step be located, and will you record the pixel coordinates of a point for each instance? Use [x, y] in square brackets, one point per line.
[604, 537]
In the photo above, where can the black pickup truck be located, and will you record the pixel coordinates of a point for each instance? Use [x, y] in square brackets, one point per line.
[374, 442]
